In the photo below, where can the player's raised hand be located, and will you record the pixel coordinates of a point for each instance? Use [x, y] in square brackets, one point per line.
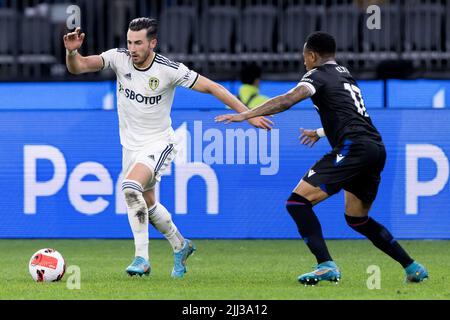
[309, 137]
[74, 40]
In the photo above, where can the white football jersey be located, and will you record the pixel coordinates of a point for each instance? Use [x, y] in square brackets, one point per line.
[144, 97]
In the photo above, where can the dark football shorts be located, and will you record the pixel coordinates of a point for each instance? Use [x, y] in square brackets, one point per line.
[354, 165]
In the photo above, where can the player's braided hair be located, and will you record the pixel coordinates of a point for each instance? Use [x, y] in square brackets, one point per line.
[145, 23]
[322, 43]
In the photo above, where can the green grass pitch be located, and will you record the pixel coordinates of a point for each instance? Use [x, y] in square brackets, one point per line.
[223, 270]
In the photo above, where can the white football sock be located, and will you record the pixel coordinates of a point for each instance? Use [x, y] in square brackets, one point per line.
[161, 219]
[137, 216]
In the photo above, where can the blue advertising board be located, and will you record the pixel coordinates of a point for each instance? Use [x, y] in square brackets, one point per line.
[101, 95]
[61, 176]
[56, 95]
[418, 94]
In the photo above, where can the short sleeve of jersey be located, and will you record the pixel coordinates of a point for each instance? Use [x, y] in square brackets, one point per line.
[109, 59]
[185, 77]
[312, 81]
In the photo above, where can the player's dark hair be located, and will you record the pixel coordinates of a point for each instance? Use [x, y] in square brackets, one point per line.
[322, 43]
[145, 23]
[249, 73]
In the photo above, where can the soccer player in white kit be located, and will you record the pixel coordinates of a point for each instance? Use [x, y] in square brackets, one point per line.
[146, 84]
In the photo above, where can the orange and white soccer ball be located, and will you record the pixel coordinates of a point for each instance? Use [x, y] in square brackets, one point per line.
[47, 265]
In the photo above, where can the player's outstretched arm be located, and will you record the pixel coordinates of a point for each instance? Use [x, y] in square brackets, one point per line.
[275, 105]
[206, 85]
[75, 62]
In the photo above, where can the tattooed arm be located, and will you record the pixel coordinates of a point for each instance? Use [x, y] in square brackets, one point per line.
[275, 105]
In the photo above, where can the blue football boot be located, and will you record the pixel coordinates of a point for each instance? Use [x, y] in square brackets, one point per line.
[326, 271]
[179, 265]
[416, 272]
[139, 266]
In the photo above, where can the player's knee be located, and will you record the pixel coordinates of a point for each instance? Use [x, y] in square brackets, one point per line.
[297, 200]
[150, 199]
[357, 223]
[132, 191]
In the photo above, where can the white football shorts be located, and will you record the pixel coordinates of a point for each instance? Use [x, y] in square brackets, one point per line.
[157, 156]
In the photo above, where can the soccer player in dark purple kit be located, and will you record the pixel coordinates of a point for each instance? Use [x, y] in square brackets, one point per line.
[355, 163]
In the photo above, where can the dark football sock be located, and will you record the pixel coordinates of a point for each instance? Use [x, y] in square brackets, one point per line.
[308, 226]
[380, 237]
